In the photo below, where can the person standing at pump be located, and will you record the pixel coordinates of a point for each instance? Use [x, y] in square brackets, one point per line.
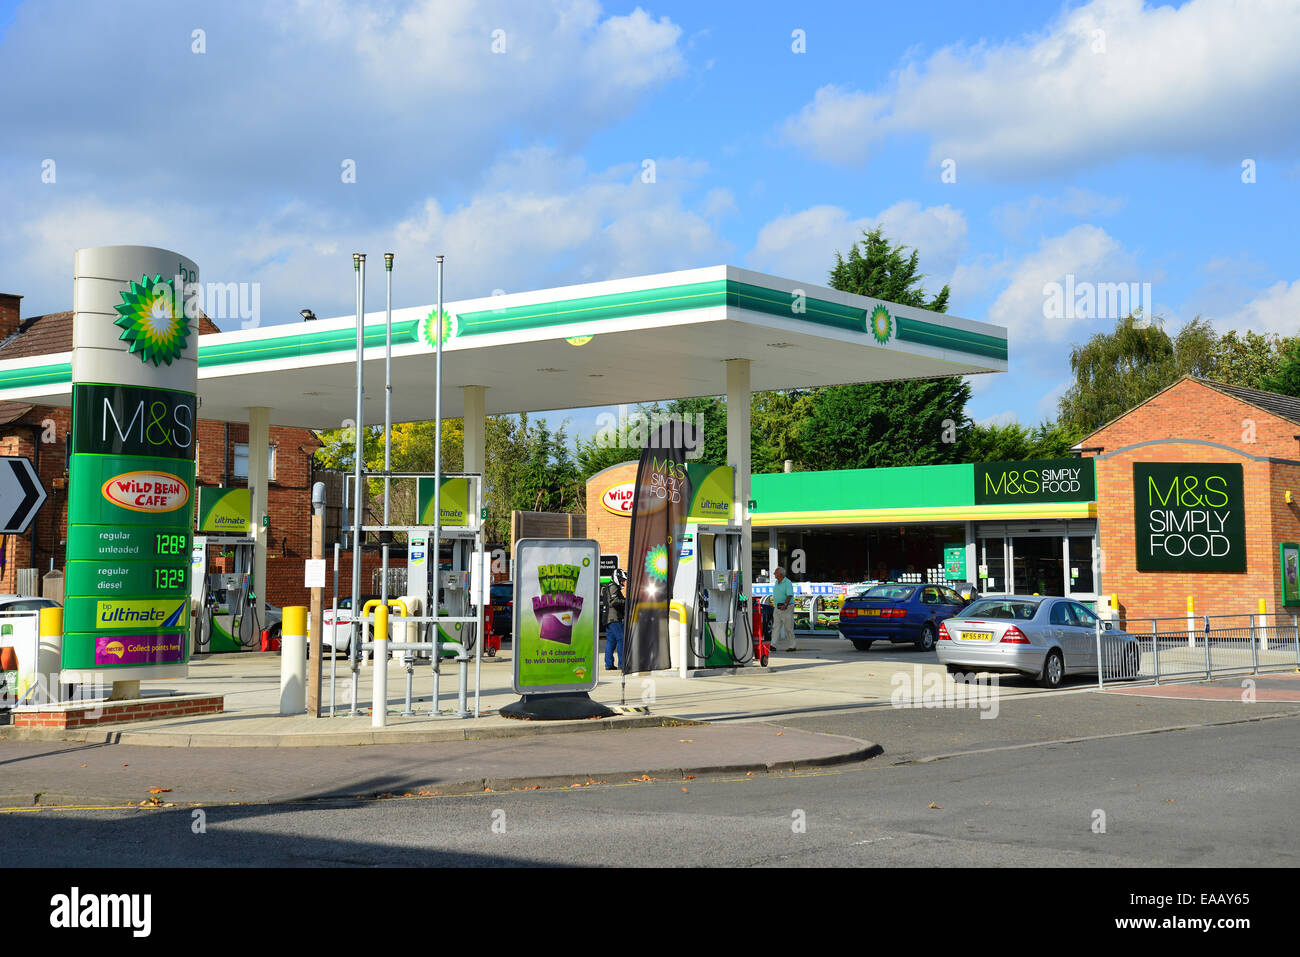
[615, 602]
[782, 612]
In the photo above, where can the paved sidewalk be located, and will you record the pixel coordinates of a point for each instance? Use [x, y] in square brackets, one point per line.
[39, 774]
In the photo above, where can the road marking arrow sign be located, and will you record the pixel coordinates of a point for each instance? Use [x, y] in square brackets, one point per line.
[21, 494]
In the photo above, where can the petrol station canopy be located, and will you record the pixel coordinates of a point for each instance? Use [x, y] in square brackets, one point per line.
[644, 339]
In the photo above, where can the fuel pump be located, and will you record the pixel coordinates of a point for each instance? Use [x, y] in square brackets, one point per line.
[224, 603]
[454, 577]
[708, 614]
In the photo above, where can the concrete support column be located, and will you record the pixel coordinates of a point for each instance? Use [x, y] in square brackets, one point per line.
[475, 427]
[259, 444]
[739, 459]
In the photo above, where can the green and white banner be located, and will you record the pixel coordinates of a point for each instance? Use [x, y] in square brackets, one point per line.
[712, 490]
[224, 511]
[454, 501]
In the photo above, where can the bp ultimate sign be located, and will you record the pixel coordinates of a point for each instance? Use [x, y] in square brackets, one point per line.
[131, 479]
[1189, 517]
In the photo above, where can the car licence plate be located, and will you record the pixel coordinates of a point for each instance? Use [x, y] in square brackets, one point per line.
[869, 611]
[977, 636]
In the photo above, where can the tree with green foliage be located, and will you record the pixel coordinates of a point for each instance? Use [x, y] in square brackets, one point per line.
[1015, 442]
[775, 419]
[1115, 371]
[1285, 377]
[914, 422]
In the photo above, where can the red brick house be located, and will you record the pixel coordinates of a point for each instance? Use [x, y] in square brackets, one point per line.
[1200, 424]
[40, 433]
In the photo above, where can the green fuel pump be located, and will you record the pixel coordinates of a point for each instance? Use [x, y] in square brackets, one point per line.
[709, 621]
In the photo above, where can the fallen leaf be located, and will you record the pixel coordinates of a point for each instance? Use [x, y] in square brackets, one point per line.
[689, 777]
[425, 793]
[686, 740]
[159, 790]
[779, 733]
[683, 789]
[83, 765]
[936, 807]
[986, 803]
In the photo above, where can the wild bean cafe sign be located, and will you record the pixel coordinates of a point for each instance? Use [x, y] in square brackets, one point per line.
[1189, 517]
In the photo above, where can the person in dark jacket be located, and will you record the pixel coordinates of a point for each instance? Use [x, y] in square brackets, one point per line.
[616, 604]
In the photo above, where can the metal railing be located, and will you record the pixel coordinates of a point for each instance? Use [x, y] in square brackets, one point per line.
[1196, 647]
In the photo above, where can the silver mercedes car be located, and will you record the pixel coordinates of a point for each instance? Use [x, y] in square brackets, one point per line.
[1044, 638]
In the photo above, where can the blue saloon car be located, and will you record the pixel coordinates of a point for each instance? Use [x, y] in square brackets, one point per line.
[900, 612]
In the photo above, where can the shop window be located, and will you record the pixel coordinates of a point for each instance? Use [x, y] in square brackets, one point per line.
[241, 462]
[1038, 565]
[1082, 581]
[992, 555]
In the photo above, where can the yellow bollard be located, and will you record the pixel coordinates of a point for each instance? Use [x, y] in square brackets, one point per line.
[1114, 600]
[293, 660]
[49, 656]
[1191, 622]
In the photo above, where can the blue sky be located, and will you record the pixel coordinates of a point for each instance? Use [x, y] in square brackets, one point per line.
[1102, 140]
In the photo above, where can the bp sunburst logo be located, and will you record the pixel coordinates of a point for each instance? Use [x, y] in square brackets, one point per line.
[429, 328]
[881, 325]
[150, 321]
[656, 563]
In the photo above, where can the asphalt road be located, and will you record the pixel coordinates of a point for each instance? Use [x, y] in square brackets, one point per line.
[1209, 796]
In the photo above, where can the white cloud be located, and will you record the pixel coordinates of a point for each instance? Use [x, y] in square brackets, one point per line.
[1087, 253]
[541, 219]
[1277, 310]
[1211, 78]
[410, 90]
[803, 245]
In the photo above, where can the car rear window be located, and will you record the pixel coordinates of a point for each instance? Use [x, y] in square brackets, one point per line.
[889, 593]
[1001, 608]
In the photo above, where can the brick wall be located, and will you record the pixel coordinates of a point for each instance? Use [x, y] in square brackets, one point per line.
[10, 310]
[284, 576]
[610, 530]
[1181, 417]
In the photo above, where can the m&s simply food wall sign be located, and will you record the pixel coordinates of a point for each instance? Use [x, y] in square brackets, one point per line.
[1189, 517]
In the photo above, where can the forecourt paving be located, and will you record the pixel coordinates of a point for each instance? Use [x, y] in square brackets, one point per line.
[826, 673]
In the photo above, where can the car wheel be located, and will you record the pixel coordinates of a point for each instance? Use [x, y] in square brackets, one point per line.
[862, 644]
[928, 636]
[1053, 670]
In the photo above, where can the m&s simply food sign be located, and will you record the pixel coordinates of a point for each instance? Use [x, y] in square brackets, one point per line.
[1189, 517]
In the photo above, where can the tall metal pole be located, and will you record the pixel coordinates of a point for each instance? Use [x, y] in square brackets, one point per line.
[435, 546]
[388, 382]
[359, 264]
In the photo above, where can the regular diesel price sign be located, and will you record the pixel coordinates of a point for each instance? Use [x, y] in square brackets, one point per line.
[131, 478]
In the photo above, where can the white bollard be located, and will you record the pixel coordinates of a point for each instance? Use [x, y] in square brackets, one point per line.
[293, 660]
